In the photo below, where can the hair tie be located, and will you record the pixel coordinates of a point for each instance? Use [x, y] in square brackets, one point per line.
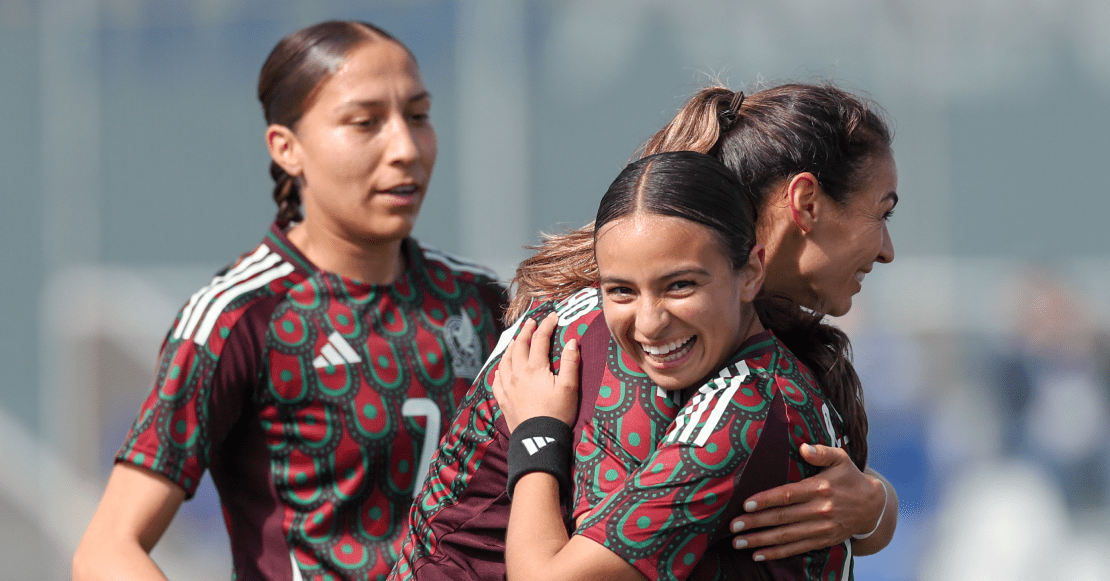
[728, 116]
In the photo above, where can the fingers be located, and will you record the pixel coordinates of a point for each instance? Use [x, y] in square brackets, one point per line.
[772, 551]
[820, 455]
[773, 517]
[522, 343]
[785, 495]
[540, 351]
[568, 367]
[830, 459]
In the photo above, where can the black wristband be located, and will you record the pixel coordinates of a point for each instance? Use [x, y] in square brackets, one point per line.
[540, 444]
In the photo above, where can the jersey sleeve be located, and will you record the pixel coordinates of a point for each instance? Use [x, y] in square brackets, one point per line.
[676, 504]
[200, 387]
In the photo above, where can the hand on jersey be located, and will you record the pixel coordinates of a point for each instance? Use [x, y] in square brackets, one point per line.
[820, 511]
[524, 384]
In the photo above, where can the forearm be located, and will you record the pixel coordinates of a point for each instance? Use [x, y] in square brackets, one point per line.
[135, 510]
[536, 533]
[104, 559]
[537, 547]
[889, 522]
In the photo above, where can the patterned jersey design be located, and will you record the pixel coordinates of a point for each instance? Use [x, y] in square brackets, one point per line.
[458, 520]
[345, 391]
[629, 419]
[738, 434]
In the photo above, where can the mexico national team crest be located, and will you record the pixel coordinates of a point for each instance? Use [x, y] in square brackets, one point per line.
[465, 347]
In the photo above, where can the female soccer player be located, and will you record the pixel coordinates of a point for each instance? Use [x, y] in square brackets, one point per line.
[679, 271]
[781, 138]
[314, 375]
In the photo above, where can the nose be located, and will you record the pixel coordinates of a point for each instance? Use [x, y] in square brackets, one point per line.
[886, 251]
[651, 318]
[401, 148]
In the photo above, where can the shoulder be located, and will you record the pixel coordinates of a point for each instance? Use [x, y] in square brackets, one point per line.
[458, 267]
[259, 277]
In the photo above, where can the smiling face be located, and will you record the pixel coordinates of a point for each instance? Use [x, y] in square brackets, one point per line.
[672, 299]
[855, 237]
[365, 148]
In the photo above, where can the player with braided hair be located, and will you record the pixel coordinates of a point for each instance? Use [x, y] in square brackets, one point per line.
[315, 374]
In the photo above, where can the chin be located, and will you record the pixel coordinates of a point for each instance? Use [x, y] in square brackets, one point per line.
[840, 310]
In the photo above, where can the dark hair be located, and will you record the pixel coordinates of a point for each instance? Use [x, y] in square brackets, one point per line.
[780, 132]
[687, 185]
[699, 188]
[296, 68]
[768, 136]
[762, 138]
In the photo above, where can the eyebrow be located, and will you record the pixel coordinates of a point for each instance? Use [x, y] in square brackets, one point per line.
[422, 95]
[668, 276]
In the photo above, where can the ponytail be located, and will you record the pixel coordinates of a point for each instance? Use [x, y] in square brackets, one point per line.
[827, 352]
[697, 125]
[287, 195]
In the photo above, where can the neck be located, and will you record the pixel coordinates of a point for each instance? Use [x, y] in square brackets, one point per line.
[783, 246]
[374, 262]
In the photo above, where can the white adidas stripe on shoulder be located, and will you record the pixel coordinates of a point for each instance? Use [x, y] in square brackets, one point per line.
[200, 314]
[710, 403]
[187, 312]
[456, 262]
[233, 293]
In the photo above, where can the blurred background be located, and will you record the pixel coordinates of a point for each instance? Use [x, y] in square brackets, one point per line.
[134, 167]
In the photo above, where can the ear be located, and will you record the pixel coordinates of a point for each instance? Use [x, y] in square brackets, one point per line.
[284, 149]
[803, 195]
[751, 278]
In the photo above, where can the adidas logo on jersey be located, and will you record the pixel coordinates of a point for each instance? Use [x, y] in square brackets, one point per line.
[533, 445]
[335, 352]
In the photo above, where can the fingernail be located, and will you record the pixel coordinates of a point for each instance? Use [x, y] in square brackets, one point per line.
[759, 558]
[750, 506]
[809, 449]
[739, 543]
[737, 526]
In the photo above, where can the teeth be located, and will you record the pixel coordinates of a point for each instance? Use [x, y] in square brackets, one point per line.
[402, 190]
[860, 275]
[665, 349]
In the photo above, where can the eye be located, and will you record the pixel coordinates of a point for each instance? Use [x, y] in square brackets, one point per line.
[420, 118]
[617, 292]
[682, 286]
[367, 122]
[888, 214]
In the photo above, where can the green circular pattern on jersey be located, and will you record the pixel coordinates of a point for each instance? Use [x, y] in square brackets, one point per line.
[309, 287]
[328, 377]
[634, 439]
[634, 517]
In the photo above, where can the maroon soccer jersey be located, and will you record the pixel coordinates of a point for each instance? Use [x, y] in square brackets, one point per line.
[737, 435]
[457, 524]
[315, 401]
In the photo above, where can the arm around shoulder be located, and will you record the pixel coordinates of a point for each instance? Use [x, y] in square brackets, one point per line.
[136, 508]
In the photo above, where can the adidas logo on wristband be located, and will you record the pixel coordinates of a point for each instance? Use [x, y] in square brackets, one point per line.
[533, 445]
